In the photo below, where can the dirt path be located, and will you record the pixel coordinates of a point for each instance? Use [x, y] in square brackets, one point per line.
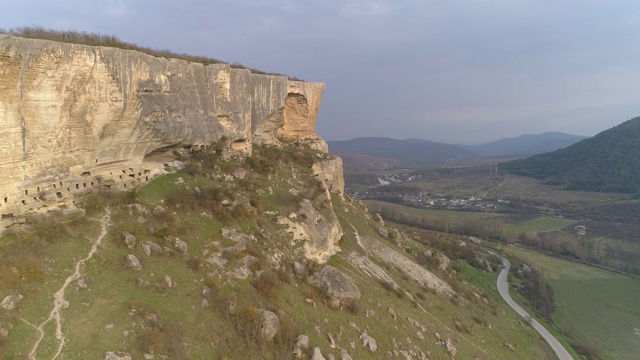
[59, 301]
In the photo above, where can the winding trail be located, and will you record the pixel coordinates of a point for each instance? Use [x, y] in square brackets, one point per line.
[503, 289]
[59, 301]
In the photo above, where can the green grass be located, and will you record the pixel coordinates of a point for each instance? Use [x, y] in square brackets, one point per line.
[539, 224]
[597, 306]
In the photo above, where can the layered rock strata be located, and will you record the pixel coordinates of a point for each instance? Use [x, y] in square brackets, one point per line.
[76, 117]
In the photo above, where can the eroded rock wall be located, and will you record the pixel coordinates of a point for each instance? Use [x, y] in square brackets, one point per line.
[73, 117]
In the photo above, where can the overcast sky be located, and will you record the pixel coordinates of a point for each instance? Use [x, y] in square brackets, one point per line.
[458, 71]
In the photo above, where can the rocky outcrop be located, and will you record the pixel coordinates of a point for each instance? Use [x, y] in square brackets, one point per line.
[76, 117]
[339, 287]
[318, 231]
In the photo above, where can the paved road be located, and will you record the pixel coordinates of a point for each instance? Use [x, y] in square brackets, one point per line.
[503, 289]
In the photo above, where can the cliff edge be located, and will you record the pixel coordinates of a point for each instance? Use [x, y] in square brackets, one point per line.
[75, 117]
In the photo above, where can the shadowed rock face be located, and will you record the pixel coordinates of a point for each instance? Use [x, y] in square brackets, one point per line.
[73, 117]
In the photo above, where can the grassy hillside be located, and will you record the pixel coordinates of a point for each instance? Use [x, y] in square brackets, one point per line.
[596, 306]
[607, 162]
[204, 301]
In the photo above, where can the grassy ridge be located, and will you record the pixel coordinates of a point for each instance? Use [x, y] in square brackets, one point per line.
[593, 305]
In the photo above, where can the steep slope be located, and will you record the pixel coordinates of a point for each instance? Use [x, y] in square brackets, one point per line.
[526, 144]
[410, 152]
[245, 257]
[607, 162]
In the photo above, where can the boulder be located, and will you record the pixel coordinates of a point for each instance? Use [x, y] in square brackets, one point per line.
[443, 261]
[132, 263]
[269, 324]
[378, 218]
[317, 354]
[4, 329]
[339, 287]
[129, 240]
[11, 302]
[154, 248]
[302, 343]
[110, 355]
[383, 232]
[368, 342]
[299, 269]
[392, 313]
[180, 245]
[142, 283]
[448, 345]
[344, 355]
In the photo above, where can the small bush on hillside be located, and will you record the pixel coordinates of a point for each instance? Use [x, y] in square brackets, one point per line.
[162, 339]
[268, 284]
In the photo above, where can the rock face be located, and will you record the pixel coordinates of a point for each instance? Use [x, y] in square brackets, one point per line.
[340, 288]
[76, 117]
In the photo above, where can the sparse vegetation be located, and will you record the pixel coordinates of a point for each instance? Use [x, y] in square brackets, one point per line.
[93, 39]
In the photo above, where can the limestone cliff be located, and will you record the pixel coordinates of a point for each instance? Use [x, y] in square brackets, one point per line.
[73, 117]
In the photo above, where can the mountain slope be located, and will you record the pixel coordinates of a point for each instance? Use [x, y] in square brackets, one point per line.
[212, 262]
[607, 162]
[526, 144]
[411, 152]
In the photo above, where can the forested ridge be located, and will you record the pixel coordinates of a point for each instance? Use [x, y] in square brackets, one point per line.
[607, 162]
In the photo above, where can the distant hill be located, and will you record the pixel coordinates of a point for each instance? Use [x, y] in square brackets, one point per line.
[607, 162]
[526, 144]
[391, 152]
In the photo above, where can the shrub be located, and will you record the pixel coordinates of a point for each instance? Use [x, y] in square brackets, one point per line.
[267, 284]
[195, 263]
[165, 339]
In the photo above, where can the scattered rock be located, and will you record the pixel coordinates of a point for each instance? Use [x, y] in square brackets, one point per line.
[180, 245]
[142, 283]
[383, 232]
[154, 248]
[133, 263]
[129, 240]
[369, 342]
[332, 341]
[369, 313]
[448, 345]
[443, 261]
[317, 354]
[204, 303]
[392, 313]
[4, 329]
[110, 355]
[82, 282]
[239, 173]
[170, 282]
[310, 302]
[301, 345]
[270, 324]
[299, 269]
[344, 355]
[146, 249]
[158, 211]
[11, 302]
[340, 288]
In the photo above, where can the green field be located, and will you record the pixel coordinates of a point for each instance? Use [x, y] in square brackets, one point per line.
[596, 306]
[540, 224]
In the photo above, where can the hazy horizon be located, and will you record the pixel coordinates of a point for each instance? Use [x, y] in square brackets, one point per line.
[465, 72]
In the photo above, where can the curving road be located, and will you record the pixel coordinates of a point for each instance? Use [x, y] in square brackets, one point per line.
[503, 289]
